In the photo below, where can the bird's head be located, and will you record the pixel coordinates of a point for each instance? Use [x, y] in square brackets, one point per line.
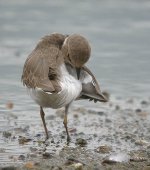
[76, 50]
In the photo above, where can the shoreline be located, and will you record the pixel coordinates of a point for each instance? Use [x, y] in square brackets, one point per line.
[114, 137]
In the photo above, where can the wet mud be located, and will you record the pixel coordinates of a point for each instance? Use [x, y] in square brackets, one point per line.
[112, 136]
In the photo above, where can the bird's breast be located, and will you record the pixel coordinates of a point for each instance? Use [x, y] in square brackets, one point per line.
[71, 88]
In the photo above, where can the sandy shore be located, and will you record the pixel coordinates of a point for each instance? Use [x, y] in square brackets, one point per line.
[112, 136]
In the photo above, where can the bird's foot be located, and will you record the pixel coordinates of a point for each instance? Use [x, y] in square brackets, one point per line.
[68, 140]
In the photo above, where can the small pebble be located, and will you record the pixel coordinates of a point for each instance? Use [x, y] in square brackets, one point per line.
[108, 120]
[52, 140]
[71, 160]
[101, 113]
[110, 104]
[143, 114]
[103, 149]
[108, 161]
[63, 136]
[138, 159]
[33, 149]
[144, 102]
[92, 111]
[22, 140]
[38, 135]
[68, 162]
[131, 101]
[117, 107]
[21, 157]
[29, 165]
[2, 150]
[75, 115]
[6, 134]
[78, 166]
[81, 142]
[138, 110]
[50, 117]
[72, 130]
[47, 155]
[9, 105]
[32, 155]
[95, 135]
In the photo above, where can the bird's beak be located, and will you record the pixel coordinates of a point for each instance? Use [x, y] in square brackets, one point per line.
[78, 70]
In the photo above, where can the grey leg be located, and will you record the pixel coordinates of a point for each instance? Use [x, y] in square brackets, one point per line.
[65, 122]
[43, 120]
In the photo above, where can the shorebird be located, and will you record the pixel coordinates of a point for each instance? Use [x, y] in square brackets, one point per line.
[55, 75]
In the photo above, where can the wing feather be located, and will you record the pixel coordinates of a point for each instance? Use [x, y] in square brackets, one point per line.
[91, 89]
[93, 77]
[36, 71]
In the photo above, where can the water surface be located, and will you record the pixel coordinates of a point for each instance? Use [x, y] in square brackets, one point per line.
[119, 33]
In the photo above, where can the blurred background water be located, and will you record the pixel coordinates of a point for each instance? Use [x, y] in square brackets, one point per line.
[119, 33]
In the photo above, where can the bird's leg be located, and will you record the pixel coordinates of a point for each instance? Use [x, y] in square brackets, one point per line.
[43, 120]
[65, 122]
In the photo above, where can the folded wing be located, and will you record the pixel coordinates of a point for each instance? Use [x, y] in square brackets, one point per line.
[40, 69]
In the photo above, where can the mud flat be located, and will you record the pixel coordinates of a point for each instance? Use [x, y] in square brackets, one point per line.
[112, 136]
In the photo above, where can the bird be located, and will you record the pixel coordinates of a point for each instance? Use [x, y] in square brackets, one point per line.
[76, 51]
[55, 74]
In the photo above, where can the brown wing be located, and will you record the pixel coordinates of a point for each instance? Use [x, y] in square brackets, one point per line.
[91, 89]
[40, 69]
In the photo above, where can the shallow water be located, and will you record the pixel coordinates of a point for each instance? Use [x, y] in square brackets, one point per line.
[119, 33]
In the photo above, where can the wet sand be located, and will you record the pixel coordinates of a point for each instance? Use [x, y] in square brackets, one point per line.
[112, 136]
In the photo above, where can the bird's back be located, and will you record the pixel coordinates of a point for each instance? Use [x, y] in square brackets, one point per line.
[41, 67]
